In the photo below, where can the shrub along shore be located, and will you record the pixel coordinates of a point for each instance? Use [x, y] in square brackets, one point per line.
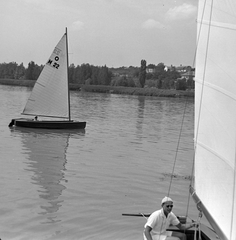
[110, 89]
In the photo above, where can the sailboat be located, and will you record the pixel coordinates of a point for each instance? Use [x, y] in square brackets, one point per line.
[50, 96]
[214, 190]
[214, 185]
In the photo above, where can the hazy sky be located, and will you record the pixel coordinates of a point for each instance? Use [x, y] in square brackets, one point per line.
[101, 32]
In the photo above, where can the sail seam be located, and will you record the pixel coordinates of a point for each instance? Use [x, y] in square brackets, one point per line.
[40, 84]
[213, 152]
[218, 24]
[221, 90]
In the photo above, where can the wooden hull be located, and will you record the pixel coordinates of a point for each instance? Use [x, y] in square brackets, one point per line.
[27, 123]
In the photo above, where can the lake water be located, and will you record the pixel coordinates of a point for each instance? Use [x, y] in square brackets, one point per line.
[76, 184]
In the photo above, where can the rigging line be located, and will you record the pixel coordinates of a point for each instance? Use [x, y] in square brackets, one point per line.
[67, 73]
[191, 179]
[203, 82]
[194, 62]
[198, 36]
[234, 205]
[177, 148]
[176, 154]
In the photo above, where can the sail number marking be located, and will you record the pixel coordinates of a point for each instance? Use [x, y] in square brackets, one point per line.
[54, 63]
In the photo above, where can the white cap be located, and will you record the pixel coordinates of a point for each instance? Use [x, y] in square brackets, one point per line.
[166, 199]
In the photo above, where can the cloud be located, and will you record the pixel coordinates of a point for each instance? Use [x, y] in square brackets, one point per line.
[77, 25]
[151, 23]
[181, 12]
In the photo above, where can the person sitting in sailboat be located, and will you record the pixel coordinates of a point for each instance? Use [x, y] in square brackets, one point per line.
[158, 222]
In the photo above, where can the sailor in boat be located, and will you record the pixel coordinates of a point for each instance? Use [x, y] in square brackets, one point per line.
[36, 118]
[158, 222]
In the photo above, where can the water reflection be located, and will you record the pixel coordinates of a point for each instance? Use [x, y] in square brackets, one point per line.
[141, 105]
[46, 151]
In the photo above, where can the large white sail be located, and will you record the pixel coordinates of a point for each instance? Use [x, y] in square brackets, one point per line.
[50, 93]
[215, 112]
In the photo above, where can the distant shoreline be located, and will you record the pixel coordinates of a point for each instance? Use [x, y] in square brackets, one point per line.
[110, 89]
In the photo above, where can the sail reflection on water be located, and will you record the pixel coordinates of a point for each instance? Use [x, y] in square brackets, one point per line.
[47, 151]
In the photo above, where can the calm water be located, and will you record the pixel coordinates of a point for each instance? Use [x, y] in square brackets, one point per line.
[76, 184]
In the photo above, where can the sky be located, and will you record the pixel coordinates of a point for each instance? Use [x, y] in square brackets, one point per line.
[114, 33]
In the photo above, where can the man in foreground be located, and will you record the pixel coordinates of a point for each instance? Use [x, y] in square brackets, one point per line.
[160, 220]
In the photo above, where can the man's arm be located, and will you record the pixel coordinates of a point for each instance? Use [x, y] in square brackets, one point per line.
[185, 226]
[147, 232]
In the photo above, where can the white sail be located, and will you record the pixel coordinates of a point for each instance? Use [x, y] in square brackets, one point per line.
[215, 112]
[50, 93]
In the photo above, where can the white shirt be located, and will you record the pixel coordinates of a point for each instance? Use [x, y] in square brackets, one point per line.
[159, 222]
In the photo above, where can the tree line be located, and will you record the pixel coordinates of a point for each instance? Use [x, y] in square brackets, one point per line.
[96, 75]
[84, 74]
[89, 74]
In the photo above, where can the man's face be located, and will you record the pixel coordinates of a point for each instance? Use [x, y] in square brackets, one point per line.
[167, 207]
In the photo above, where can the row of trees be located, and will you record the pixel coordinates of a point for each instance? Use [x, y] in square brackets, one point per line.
[94, 75]
[81, 74]
[14, 71]
[89, 74]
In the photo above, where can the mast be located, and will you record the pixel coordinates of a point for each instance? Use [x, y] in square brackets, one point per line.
[67, 63]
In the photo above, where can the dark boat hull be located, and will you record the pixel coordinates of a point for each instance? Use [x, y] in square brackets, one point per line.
[206, 233]
[27, 123]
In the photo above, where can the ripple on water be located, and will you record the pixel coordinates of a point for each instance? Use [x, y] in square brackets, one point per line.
[76, 185]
